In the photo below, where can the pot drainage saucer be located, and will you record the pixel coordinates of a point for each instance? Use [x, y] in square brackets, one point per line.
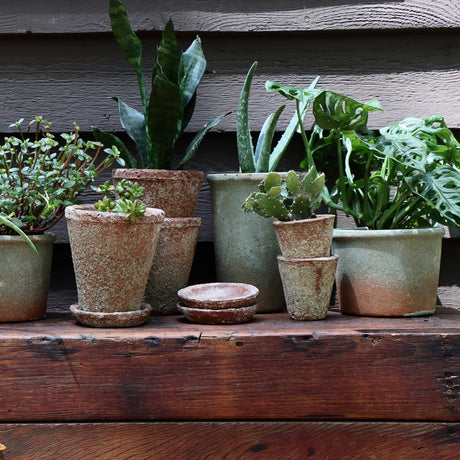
[225, 316]
[116, 319]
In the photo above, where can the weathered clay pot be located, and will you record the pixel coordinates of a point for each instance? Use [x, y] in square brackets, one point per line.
[308, 285]
[211, 316]
[175, 192]
[388, 272]
[305, 238]
[24, 277]
[172, 263]
[245, 244]
[112, 260]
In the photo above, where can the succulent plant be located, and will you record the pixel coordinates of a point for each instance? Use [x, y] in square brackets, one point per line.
[287, 198]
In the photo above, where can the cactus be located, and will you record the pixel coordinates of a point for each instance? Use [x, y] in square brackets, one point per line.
[289, 198]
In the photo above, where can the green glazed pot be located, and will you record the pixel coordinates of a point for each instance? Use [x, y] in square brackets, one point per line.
[24, 277]
[245, 244]
[388, 272]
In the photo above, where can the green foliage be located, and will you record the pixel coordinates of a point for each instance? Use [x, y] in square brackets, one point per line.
[403, 176]
[289, 198]
[263, 158]
[168, 109]
[129, 196]
[40, 176]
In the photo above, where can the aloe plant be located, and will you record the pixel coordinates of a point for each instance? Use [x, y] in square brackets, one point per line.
[289, 198]
[263, 158]
[167, 110]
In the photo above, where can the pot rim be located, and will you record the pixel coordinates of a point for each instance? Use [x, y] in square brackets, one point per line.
[238, 176]
[180, 222]
[89, 213]
[345, 233]
[307, 260]
[134, 173]
[318, 217]
[43, 237]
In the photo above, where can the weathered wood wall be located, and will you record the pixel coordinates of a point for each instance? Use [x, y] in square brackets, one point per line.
[59, 59]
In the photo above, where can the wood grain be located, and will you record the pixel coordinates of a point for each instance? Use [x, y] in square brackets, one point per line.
[339, 369]
[243, 440]
[65, 16]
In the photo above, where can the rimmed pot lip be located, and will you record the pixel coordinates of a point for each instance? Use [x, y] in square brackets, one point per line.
[306, 260]
[134, 173]
[318, 217]
[44, 237]
[91, 213]
[237, 176]
[339, 233]
[179, 222]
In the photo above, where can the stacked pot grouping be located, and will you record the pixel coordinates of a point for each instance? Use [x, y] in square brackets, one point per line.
[306, 267]
[176, 193]
[218, 303]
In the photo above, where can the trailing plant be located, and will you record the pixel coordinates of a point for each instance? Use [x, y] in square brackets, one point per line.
[288, 198]
[167, 110]
[402, 176]
[129, 196]
[40, 176]
[263, 158]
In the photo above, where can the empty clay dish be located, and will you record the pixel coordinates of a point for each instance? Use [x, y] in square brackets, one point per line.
[216, 296]
[225, 316]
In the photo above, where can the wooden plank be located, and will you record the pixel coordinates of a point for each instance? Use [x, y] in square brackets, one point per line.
[85, 16]
[248, 440]
[339, 369]
[412, 75]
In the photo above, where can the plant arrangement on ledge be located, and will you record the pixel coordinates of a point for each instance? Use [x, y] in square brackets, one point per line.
[39, 176]
[306, 267]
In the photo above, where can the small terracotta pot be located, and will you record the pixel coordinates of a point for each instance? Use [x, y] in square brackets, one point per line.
[305, 238]
[175, 192]
[307, 285]
[24, 277]
[112, 259]
[172, 263]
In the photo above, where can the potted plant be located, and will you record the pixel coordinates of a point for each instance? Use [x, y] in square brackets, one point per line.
[245, 247]
[398, 184]
[113, 244]
[165, 114]
[306, 267]
[39, 177]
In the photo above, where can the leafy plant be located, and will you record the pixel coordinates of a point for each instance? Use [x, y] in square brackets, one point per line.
[403, 176]
[289, 198]
[168, 109]
[39, 177]
[129, 196]
[263, 158]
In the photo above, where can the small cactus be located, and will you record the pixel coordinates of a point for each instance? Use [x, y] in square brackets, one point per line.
[289, 198]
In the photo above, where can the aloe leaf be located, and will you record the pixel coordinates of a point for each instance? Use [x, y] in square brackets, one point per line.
[5, 221]
[134, 124]
[193, 146]
[109, 139]
[264, 142]
[164, 121]
[168, 55]
[243, 132]
[193, 64]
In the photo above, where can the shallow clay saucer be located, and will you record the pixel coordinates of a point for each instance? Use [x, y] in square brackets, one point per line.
[226, 316]
[218, 296]
[117, 319]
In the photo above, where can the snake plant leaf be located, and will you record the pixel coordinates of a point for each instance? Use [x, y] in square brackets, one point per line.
[193, 65]
[168, 55]
[193, 146]
[111, 139]
[4, 220]
[134, 124]
[334, 111]
[264, 142]
[164, 121]
[243, 132]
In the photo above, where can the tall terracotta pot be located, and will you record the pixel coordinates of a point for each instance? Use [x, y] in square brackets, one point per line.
[388, 272]
[174, 191]
[245, 244]
[24, 277]
[172, 263]
[112, 259]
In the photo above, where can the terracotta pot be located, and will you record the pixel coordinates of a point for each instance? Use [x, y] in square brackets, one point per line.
[112, 260]
[305, 238]
[308, 285]
[245, 244]
[172, 263]
[175, 192]
[24, 277]
[388, 272]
